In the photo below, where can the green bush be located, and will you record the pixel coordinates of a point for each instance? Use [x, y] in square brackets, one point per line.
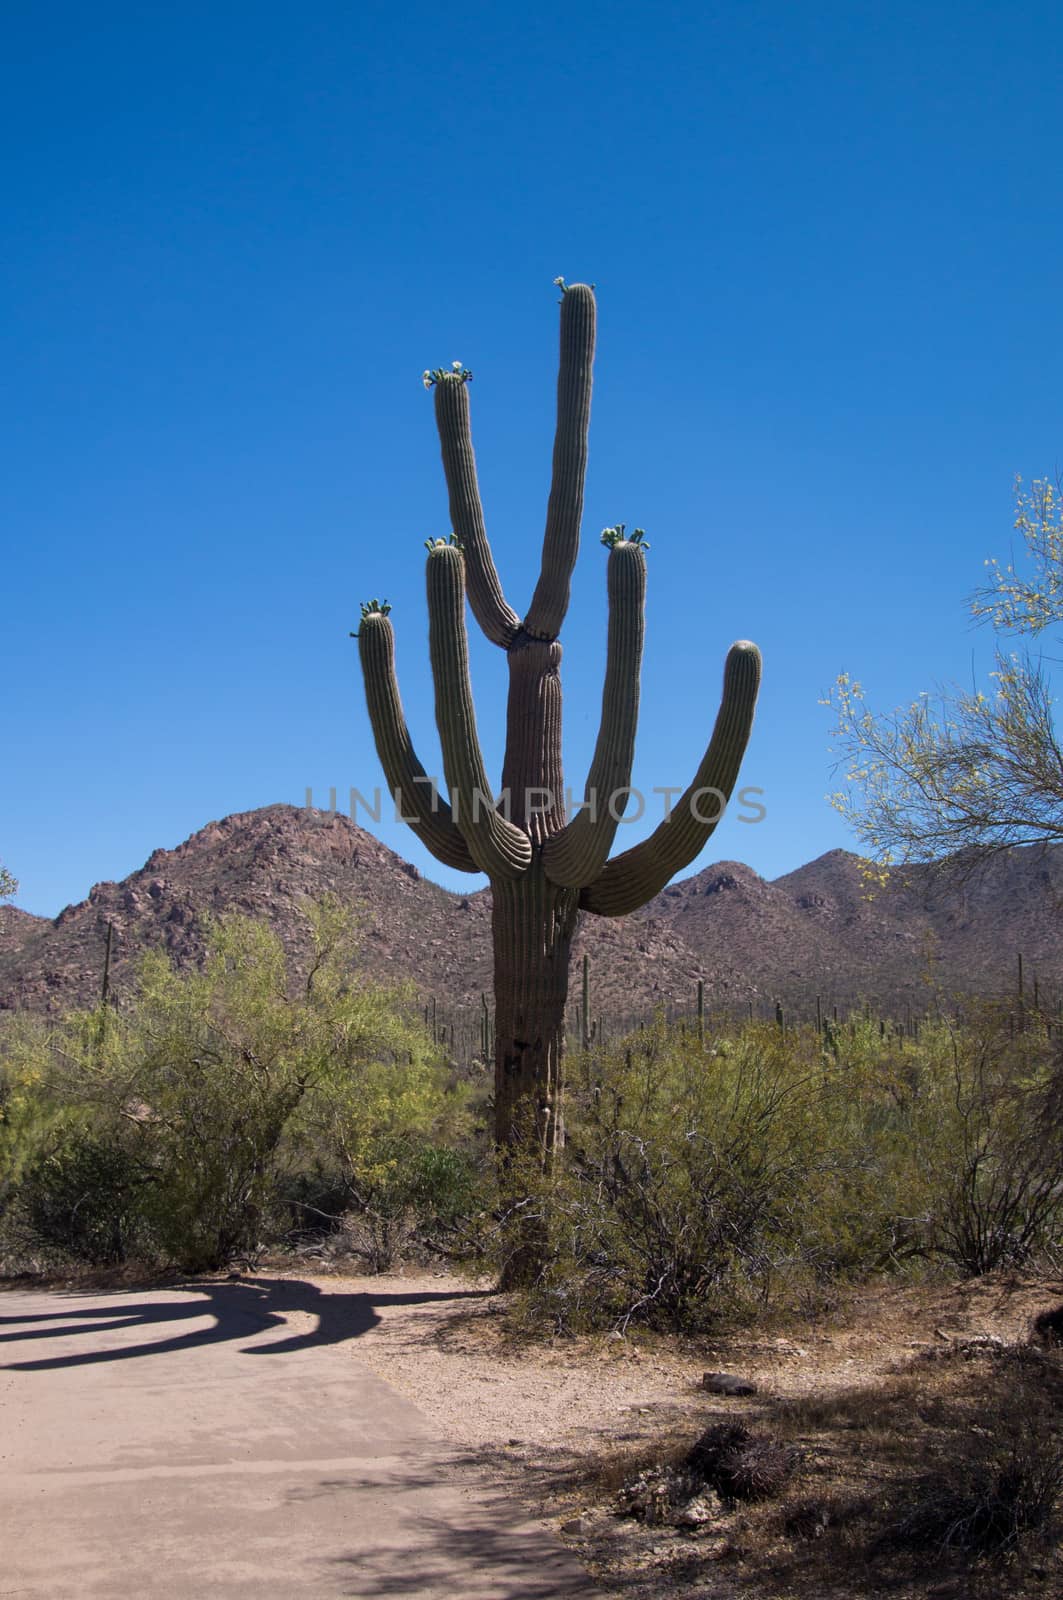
[242, 1104]
[197, 1097]
[680, 1173]
[988, 1146]
[415, 1200]
[82, 1196]
[700, 1182]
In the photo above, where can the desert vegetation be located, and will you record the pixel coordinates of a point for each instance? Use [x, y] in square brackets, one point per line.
[226, 1107]
[720, 1179]
[710, 1171]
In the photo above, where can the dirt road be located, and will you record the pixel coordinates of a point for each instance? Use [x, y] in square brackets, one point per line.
[224, 1440]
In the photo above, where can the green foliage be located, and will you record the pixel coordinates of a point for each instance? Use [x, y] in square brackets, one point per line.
[957, 770]
[188, 1103]
[27, 1112]
[1017, 602]
[8, 884]
[389, 1129]
[967, 769]
[982, 1142]
[699, 1184]
[414, 1198]
[702, 1179]
[82, 1197]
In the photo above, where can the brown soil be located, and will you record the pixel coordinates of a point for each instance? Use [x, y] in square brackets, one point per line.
[867, 1397]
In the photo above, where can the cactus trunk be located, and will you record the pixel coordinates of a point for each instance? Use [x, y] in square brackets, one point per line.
[532, 924]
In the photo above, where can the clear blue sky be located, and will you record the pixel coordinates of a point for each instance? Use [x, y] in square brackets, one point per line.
[827, 245]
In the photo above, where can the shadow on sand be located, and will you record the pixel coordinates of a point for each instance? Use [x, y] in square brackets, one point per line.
[237, 1311]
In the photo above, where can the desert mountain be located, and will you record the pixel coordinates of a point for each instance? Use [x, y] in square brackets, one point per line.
[812, 932]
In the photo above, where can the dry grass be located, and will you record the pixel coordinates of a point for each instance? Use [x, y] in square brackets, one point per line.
[955, 1466]
[894, 1401]
[937, 1470]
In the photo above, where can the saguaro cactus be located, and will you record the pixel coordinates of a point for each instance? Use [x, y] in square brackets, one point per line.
[543, 868]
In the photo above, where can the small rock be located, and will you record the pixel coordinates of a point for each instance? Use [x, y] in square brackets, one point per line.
[727, 1383]
[574, 1526]
[694, 1514]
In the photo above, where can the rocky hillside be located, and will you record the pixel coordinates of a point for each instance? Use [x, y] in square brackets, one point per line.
[822, 931]
[270, 863]
[812, 932]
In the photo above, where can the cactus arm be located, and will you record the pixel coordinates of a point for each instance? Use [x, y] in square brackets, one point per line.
[406, 777]
[576, 856]
[498, 621]
[498, 847]
[638, 874]
[565, 507]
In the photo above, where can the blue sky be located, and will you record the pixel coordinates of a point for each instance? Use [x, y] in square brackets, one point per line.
[826, 243]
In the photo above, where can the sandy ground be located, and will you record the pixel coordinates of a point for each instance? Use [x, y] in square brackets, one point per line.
[222, 1438]
[557, 1417]
[555, 1427]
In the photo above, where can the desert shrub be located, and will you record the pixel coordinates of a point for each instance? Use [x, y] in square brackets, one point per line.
[701, 1182]
[987, 1156]
[192, 1092]
[31, 1120]
[27, 1112]
[414, 1200]
[680, 1178]
[82, 1197]
[393, 1132]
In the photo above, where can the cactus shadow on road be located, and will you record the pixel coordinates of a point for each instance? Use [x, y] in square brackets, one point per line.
[237, 1311]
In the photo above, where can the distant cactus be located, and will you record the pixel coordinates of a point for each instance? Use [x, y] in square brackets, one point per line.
[544, 869]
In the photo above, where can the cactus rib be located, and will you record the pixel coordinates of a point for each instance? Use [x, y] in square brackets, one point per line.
[577, 856]
[405, 775]
[635, 876]
[498, 621]
[498, 847]
[565, 507]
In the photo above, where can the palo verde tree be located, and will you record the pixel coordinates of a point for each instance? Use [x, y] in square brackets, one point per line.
[964, 772]
[543, 867]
